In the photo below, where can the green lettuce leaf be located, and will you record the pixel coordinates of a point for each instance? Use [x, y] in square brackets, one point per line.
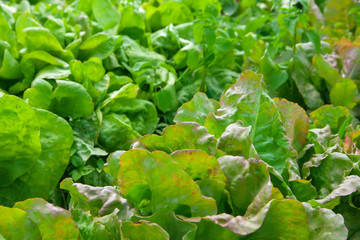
[325, 224]
[154, 183]
[279, 219]
[300, 75]
[68, 99]
[113, 126]
[56, 138]
[99, 45]
[348, 186]
[105, 13]
[143, 230]
[248, 182]
[196, 110]
[141, 113]
[344, 93]
[247, 101]
[92, 227]
[336, 117]
[38, 38]
[236, 141]
[19, 138]
[174, 226]
[330, 172]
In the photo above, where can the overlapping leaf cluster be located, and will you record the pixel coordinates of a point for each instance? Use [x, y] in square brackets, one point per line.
[85, 84]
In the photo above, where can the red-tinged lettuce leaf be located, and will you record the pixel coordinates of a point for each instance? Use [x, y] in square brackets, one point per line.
[198, 164]
[247, 101]
[279, 219]
[248, 183]
[56, 137]
[335, 117]
[14, 224]
[350, 55]
[174, 226]
[196, 110]
[19, 138]
[296, 122]
[348, 186]
[324, 224]
[330, 172]
[344, 93]
[143, 230]
[154, 183]
[53, 222]
[188, 135]
[355, 137]
[100, 201]
[236, 141]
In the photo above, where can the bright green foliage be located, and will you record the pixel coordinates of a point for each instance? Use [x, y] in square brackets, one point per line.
[142, 230]
[179, 119]
[196, 110]
[344, 93]
[248, 182]
[174, 226]
[154, 183]
[56, 139]
[322, 216]
[19, 139]
[336, 117]
[248, 102]
[70, 94]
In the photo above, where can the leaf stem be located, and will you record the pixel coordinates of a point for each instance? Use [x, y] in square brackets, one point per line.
[202, 86]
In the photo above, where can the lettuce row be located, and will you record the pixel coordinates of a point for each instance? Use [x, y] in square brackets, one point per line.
[191, 184]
